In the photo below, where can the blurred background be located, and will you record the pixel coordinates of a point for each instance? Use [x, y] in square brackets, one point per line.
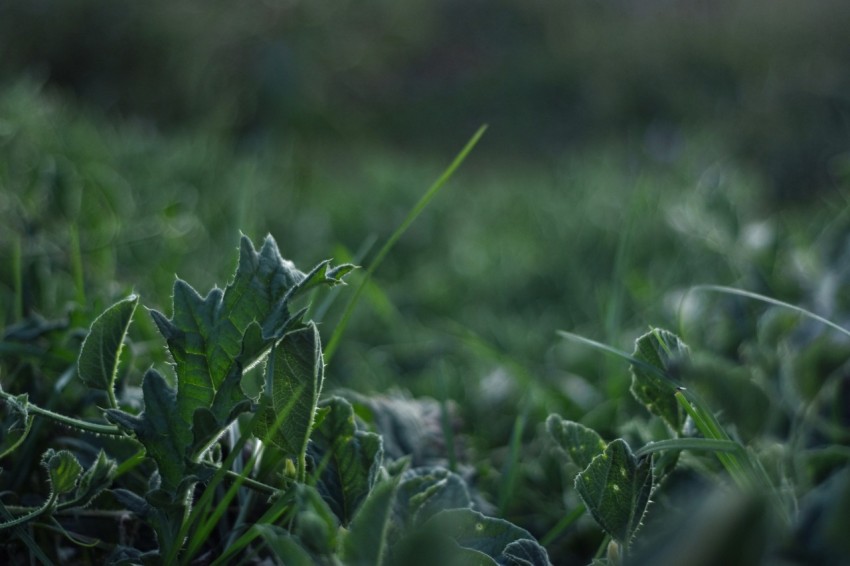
[634, 149]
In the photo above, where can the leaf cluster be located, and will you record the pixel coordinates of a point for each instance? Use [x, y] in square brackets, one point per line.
[314, 484]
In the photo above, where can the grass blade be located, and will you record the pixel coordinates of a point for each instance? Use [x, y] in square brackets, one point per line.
[612, 350]
[382, 253]
[693, 444]
[771, 301]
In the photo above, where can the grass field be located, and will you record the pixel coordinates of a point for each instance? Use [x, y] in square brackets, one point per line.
[453, 353]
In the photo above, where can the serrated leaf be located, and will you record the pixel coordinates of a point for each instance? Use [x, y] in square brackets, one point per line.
[96, 479]
[212, 338]
[579, 443]
[348, 459]
[205, 335]
[277, 323]
[295, 367]
[160, 429]
[16, 424]
[97, 365]
[651, 384]
[63, 470]
[615, 488]
[366, 543]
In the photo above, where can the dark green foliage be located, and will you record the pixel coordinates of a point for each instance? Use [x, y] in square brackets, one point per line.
[347, 459]
[294, 365]
[616, 487]
[579, 443]
[451, 353]
[651, 381]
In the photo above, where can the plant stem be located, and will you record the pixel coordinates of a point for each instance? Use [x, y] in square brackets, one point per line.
[51, 501]
[94, 428]
[252, 483]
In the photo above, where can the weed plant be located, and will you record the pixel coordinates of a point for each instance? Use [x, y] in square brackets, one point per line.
[721, 440]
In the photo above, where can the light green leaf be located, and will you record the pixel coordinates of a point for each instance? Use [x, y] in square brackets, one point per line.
[651, 384]
[366, 543]
[616, 487]
[579, 443]
[294, 366]
[347, 459]
[97, 365]
[63, 470]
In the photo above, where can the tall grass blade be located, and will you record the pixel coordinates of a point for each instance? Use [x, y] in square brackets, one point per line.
[772, 301]
[382, 253]
[612, 350]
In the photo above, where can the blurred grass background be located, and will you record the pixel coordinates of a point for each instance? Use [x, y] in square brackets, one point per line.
[634, 150]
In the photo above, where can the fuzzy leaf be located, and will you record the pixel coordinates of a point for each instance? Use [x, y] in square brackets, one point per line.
[63, 470]
[581, 444]
[615, 488]
[295, 366]
[348, 459]
[97, 365]
[658, 348]
[366, 543]
[97, 478]
[206, 335]
[277, 323]
[211, 340]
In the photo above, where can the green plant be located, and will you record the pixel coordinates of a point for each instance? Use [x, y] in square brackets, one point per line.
[330, 492]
